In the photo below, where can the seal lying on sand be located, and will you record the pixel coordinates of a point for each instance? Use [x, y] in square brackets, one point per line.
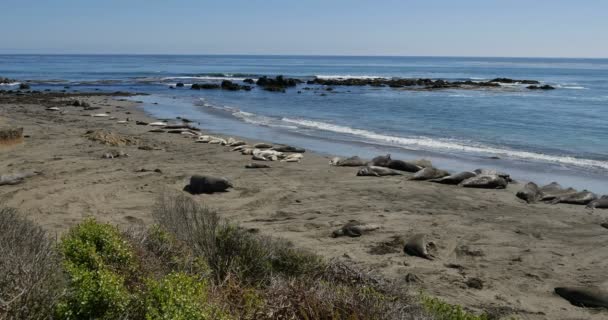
[288, 149]
[262, 146]
[582, 197]
[354, 229]
[530, 193]
[485, 182]
[488, 172]
[418, 246]
[429, 173]
[584, 297]
[375, 171]
[455, 178]
[206, 184]
[601, 203]
[257, 166]
[381, 161]
[348, 162]
[403, 166]
[554, 190]
[16, 178]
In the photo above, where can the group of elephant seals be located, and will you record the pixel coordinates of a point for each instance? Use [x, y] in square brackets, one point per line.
[455, 179]
[485, 181]
[381, 161]
[418, 246]
[403, 166]
[206, 184]
[376, 171]
[354, 229]
[584, 297]
[601, 203]
[256, 165]
[582, 198]
[429, 173]
[554, 193]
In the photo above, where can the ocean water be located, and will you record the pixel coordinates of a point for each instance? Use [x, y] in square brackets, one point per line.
[542, 136]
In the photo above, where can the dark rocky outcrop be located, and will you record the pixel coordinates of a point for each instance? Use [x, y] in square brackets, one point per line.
[205, 86]
[179, 85]
[544, 87]
[278, 84]
[24, 86]
[508, 80]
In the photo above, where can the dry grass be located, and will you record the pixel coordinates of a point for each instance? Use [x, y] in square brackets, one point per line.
[30, 273]
[111, 138]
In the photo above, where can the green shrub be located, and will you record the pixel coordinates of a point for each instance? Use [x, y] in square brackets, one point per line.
[96, 260]
[93, 294]
[444, 311]
[179, 297]
[94, 245]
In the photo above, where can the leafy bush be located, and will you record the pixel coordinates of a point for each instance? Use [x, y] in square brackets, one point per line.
[96, 259]
[94, 294]
[445, 311]
[94, 245]
[179, 297]
[30, 275]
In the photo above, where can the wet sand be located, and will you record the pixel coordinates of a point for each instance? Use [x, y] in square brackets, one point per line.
[520, 252]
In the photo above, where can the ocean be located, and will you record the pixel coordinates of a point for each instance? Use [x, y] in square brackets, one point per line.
[535, 135]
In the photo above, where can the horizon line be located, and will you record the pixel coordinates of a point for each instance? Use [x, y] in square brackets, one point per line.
[297, 55]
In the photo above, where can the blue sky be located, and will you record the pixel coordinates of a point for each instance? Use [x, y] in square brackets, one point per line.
[531, 28]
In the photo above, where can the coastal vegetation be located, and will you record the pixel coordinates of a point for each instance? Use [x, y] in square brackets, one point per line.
[190, 264]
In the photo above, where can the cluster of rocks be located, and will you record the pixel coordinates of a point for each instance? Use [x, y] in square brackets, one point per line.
[423, 83]
[6, 80]
[278, 84]
[225, 85]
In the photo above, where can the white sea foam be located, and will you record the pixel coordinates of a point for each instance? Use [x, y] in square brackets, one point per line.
[10, 84]
[425, 143]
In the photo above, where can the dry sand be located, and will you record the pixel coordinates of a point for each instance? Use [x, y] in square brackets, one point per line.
[520, 252]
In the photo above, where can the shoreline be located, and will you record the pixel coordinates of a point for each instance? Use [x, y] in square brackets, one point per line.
[526, 250]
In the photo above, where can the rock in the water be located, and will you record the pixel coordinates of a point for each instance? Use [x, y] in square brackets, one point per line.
[530, 193]
[543, 87]
[455, 178]
[485, 182]
[376, 171]
[429, 173]
[418, 246]
[584, 297]
[354, 229]
[207, 184]
[381, 161]
[403, 166]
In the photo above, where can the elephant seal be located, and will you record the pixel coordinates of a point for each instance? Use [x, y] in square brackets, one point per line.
[601, 203]
[262, 146]
[207, 184]
[375, 171]
[488, 172]
[582, 197]
[348, 162]
[429, 173]
[584, 297]
[354, 229]
[16, 178]
[294, 157]
[288, 149]
[381, 161]
[423, 163]
[530, 193]
[554, 190]
[257, 166]
[455, 178]
[403, 166]
[418, 246]
[114, 154]
[485, 182]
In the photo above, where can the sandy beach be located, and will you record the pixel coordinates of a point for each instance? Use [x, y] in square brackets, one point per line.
[518, 253]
